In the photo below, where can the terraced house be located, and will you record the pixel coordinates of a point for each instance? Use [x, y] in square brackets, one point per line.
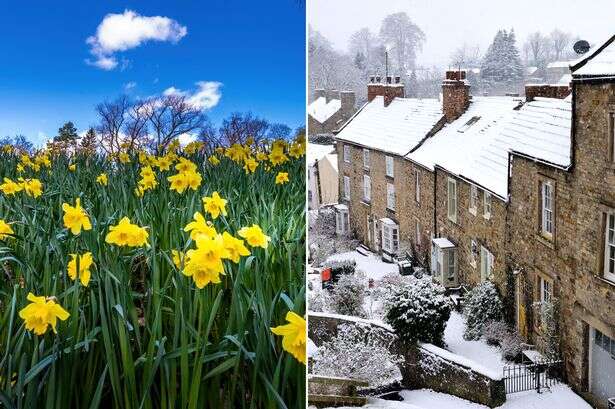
[518, 191]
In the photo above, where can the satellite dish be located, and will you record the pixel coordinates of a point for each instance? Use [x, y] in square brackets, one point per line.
[581, 47]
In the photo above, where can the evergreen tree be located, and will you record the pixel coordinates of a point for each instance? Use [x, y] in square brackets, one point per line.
[67, 134]
[88, 143]
[502, 63]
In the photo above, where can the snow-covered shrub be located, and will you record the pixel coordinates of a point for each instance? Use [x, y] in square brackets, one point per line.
[510, 345]
[343, 267]
[357, 352]
[495, 331]
[418, 311]
[323, 241]
[319, 301]
[548, 337]
[483, 304]
[348, 295]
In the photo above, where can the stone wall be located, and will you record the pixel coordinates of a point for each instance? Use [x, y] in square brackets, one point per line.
[546, 91]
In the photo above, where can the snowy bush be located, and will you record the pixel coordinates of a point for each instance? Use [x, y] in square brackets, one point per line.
[548, 337]
[511, 345]
[319, 301]
[495, 331]
[418, 311]
[323, 241]
[499, 333]
[348, 295]
[357, 352]
[483, 304]
[343, 267]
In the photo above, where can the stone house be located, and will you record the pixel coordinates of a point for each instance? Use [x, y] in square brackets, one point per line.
[323, 178]
[329, 110]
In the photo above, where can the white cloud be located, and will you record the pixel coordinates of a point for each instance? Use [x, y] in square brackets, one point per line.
[129, 85]
[121, 32]
[206, 96]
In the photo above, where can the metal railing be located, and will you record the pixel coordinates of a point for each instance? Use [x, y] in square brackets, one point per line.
[535, 376]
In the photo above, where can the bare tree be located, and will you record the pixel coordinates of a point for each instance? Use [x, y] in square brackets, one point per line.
[363, 42]
[171, 116]
[466, 56]
[135, 127]
[112, 119]
[559, 42]
[238, 127]
[537, 46]
[404, 39]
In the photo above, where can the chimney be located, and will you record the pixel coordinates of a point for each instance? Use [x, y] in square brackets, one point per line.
[391, 89]
[348, 101]
[318, 93]
[332, 94]
[546, 91]
[455, 95]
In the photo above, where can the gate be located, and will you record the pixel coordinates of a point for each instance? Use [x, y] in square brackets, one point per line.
[535, 376]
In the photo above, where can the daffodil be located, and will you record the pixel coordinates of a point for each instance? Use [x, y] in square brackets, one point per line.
[235, 247]
[124, 157]
[178, 257]
[277, 156]
[127, 234]
[296, 150]
[185, 165]
[214, 160]
[200, 227]
[164, 163]
[42, 313]
[294, 336]
[215, 205]
[85, 261]
[184, 180]
[250, 165]
[281, 178]
[72, 167]
[5, 229]
[205, 263]
[102, 179]
[33, 187]
[75, 218]
[254, 236]
[10, 187]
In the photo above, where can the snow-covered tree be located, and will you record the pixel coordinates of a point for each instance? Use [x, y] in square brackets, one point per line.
[348, 295]
[404, 39]
[358, 352]
[483, 305]
[418, 310]
[502, 63]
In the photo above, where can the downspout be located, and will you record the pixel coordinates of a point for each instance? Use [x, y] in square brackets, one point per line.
[435, 183]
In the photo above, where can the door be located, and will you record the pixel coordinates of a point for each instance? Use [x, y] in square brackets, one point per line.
[520, 308]
[376, 235]
[602, 365]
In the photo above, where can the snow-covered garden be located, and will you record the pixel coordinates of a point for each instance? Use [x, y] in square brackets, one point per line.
[367, 290]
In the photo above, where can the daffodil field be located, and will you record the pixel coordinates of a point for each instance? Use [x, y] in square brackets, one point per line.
[140, 281]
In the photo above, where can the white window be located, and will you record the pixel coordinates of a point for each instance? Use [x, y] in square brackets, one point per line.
[366, 158]
[473, 199]
[473, 252]
[417, 187]
[452, 200]
[486, 264]
[342, 222]
[547, 209]
[367, 189]
[390, 236]
[346, 153]
[390, 196]
[451, 264]
[444, 262]
[418, 233]
[546, 290]
[390, 166]
[347, 187]
[487, 205]
[609, 247]
[612, 137]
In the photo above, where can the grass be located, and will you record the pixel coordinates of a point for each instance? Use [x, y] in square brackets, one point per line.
[141, 335]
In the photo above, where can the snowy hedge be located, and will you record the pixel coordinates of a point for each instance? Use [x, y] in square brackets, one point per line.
[348, 295]
[418, 310]
[358, 352]
[483, 305]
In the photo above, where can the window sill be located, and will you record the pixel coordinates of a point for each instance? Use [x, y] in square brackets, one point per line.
[390, 210]
[487, 216]
[390, 176]
[365, 202]
[606, 280]
[472, 211]
[365, 169]
[546, 241]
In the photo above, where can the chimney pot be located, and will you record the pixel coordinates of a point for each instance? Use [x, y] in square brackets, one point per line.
[397, 79]
[378, 78]
[388, 79]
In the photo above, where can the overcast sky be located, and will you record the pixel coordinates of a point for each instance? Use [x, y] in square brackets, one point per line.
[448, 24]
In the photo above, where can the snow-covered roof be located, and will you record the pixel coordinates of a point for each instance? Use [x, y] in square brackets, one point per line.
[463, 147]
[598, 61]
[530, 70]
[316, 152]
[565, 79]
[395, 129]
[321, 110]
[560, 64]
[443, 243]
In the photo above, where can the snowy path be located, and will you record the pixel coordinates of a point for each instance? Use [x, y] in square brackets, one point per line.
[371, 265]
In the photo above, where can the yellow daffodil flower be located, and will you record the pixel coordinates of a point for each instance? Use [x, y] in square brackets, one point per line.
[5, 229]
[281, 178]
[10, 187]
[75, 218]
[235, 247]
[200, 227]
[42, 313]
[204, 264]
[215, 205]
[127, 234]
[85, 261]
[214, 160]
[294, 336]
[255, 236]
[102, 179]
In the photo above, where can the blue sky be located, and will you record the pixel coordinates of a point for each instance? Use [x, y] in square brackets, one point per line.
[256, 50]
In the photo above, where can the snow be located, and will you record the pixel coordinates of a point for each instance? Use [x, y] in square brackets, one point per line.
[395, 129]
[321, 110]
[531, 70]
[560, 396]
[311, 348]
[443, 243]
[598, 63]
[460, 360]
[371, 265]
[489, 356]
[560, 64]
[351, 318]
[565, 79]
[316, 152]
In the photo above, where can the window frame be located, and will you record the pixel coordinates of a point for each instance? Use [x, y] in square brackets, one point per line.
[389, 166]
[611, 136]
[346, 183]
[367, 189]
[488, 264]
[390, 237]
[607, 274]
[390, 191]
[487, 202]
[417, 237]
[346, 153]
[451, 199]
[547, 224]
[366, 158]
[473, 207]
[417, 186]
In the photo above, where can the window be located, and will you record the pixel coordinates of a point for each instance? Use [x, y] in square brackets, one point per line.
[605, 342]
[451, 269]
[391, 196]
[487, 205]
[390, 236]
[417, 187]
[547, 209]
[609, 247]
[346, 187]
[390, 166]
[473, 199]
[486, 264]
[366, 158]
[612, 137]
[452, 200]
[342, 222]
[418, 233]
[546, 290]
[473, 252]
[444, 262]
[468, 124]
[367, 189]
[346, 153]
